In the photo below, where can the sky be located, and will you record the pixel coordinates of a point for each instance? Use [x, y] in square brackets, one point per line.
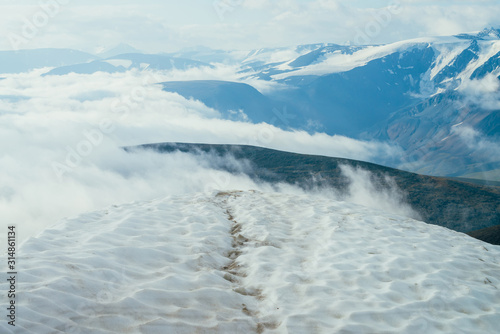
[167, 26]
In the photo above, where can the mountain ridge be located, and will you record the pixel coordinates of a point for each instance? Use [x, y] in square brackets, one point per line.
[457, 205]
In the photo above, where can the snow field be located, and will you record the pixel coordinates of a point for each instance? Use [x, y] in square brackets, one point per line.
[336, 267]
[251, 262]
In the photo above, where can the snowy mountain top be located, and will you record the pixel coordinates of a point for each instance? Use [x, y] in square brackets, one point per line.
[490, 33]
[341, 62]
[250, 262]
[346, 58]
[485, 34]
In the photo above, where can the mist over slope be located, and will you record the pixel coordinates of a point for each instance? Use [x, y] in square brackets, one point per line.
[453, 204]
[252, 262]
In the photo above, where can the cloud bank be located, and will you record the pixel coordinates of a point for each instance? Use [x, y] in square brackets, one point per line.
[61, 139]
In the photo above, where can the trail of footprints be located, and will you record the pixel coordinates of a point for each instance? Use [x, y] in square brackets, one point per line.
[234, 271]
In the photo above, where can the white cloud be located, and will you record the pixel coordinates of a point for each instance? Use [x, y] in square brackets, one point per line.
[54, 126]
[482, 92]
[483, 148]
[388, 197]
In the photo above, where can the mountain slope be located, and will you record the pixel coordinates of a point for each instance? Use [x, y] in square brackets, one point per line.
[351, 101]
[490, 235]
[227, 97]
[435, 136]
[249, 262]
[456, 205]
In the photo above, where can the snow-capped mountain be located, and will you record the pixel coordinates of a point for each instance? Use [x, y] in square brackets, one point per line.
[488, 33]
[352, 88]
[438, 98]
[251, 262]
[435, 97]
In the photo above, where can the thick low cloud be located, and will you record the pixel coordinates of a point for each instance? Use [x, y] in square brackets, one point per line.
[61, 139]
[364, 191]
[482, 92]
[483, 148]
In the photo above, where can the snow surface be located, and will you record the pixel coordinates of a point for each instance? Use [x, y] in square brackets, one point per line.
[339, 62]
[251, 262]
[446, 48]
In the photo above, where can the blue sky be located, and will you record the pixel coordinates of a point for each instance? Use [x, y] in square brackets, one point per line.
[156, 26]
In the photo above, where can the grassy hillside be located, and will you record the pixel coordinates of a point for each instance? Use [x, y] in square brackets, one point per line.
[489, 234]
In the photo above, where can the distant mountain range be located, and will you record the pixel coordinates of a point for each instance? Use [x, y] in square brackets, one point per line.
[128, 61]
[27, 60]
[437, 98]
[426, 95]
[457, 205]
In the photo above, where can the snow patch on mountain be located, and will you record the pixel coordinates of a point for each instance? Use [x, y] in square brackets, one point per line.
[251, 262]
[488, 51]
[341, 62]
[446, 53]
[279, 55]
